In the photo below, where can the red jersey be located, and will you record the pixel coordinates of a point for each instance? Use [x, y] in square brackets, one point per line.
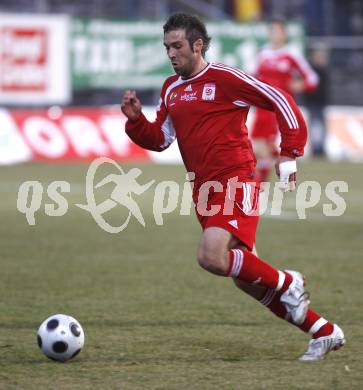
[279, 66]
[207, 115]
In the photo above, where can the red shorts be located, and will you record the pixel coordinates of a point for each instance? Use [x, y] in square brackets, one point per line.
[237, 214]
[265, 125]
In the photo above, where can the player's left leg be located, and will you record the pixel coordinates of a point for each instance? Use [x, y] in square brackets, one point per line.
[320, 346]
[290, 290]
[215, 256]
[326, 336]
[213, 252]
[224, 249]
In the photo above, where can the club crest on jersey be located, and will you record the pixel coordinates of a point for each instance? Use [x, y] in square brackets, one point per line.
[209, 91]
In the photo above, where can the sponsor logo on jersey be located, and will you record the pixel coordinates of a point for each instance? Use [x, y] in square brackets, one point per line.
[173, 96]
[189, 96]
[188, 88]
[209, 92]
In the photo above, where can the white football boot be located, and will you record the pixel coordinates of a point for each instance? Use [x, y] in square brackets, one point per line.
[320, 347]
[296, 299]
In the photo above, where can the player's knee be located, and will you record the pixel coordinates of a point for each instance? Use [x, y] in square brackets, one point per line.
[212, 261]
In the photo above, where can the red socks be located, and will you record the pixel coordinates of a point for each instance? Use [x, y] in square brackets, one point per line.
[325, 330]
[313, 324]
[245, 266]
[316, 325]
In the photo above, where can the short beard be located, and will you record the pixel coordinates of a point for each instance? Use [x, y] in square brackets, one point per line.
[185, 73]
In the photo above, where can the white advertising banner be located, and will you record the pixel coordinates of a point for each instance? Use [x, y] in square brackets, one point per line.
[344, 139]
[34, 59]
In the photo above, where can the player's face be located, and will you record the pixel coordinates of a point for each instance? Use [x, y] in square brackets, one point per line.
[278, 34]
[182, 57]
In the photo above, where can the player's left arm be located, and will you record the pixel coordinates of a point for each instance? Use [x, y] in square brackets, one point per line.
[293, 132]
[307, 77]
[290, 119]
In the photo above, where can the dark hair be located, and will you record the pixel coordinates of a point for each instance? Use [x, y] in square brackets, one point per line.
[278, 20]
[193, 26]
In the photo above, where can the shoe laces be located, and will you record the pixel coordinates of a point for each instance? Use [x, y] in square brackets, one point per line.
[297, 299]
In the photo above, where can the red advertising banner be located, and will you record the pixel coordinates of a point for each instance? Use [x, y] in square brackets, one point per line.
[82, 134]
[70, 135]
[34, 59]
[24, 59]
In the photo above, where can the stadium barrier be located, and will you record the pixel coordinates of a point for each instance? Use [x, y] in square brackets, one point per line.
[82, 134]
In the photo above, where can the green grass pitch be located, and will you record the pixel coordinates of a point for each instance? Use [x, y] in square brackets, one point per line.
[153, 319]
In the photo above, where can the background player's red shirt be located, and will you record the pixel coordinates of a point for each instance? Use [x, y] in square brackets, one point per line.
[207, 114]
[279, 67]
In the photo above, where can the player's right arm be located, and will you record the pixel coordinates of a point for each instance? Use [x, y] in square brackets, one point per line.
[157, 135]
[131, 105]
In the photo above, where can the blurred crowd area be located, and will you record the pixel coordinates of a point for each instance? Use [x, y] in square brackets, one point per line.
[334, 28]
[320, 17]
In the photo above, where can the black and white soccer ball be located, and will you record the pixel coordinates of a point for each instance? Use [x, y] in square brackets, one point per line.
[60, 337]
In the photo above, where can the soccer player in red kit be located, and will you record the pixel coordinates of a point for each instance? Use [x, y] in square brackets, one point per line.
[278, 66]
[205, 106]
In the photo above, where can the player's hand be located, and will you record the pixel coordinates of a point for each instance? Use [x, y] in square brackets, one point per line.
[130, 105]
[297, 85]
[286, 170]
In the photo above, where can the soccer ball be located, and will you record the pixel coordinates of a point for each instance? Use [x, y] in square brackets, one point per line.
[60, 337]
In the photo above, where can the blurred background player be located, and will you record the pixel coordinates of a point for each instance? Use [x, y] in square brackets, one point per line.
[316, 101]
[277, 66]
